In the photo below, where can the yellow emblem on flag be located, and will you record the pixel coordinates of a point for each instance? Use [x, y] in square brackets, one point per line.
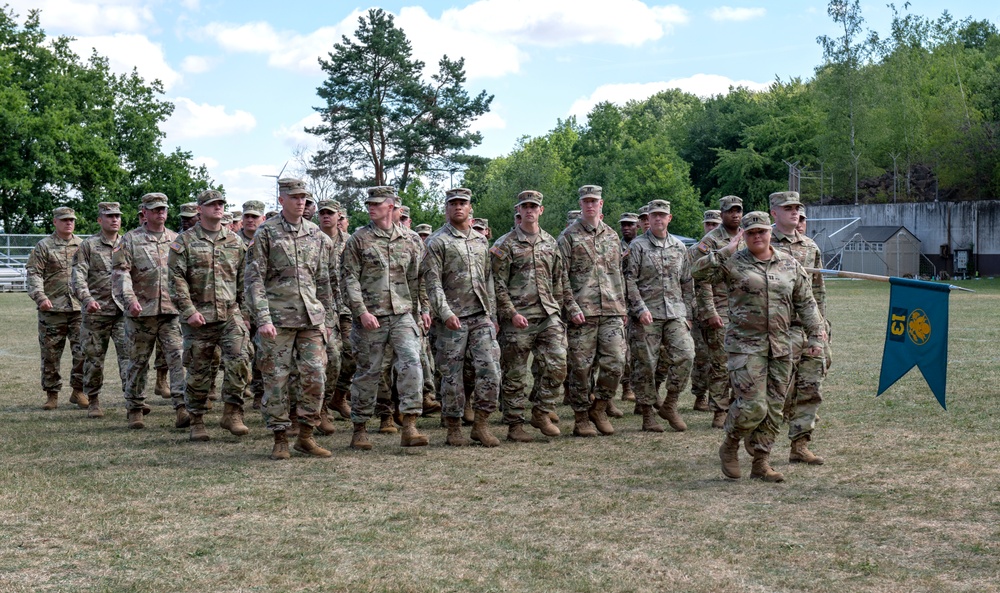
[918, 327]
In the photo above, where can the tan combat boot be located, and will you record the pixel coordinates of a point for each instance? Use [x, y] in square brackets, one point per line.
[183, 419]
[325, 425]
[293, 417]
[280, 449]
[198, 431]
[729, 454]
[135, 419]
[340, 405]
[554, 417]
[94, 408]
[701, 403]
[409, 436]
[455, 437]
[306, 444]
[469, 415]
[540, 420]
[51, 400]
[431, 406]
[386, 425]
[762, 468]
[668, 411]
[649, 423]
[598, 415]
[162, 388]
[359, 440]
[232, 420]
[481, 430]
[612, 411]
[516, 434]
[800, 453]
[257, 401]
[628, 394]
[583, 427]
[79, 398]
[719, 419]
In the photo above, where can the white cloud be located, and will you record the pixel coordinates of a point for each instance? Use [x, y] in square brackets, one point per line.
[728, 13]
[209, 162]
[197, 64]
[295, 135]
[93, 17]
[201, 120]
[703, 85]
[253, 182]
[192, 5]
[488, 121]
[130, 50]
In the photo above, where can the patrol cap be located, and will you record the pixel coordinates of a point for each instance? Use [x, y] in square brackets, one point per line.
[189, 209]
[270, 214]
[290, 186]
[404, 211]
[227, 218]
[660, 206]
[756, 220]
[458, 193]
[729, 202]
[381, 193]
[331, 205]
[253, 207]
[310, 198]
[423, 229]
[209, 196]
[529, 196]
[644, 211]
[802, 212]
[784, 198]
[109, 208]
[712, 216]
[154, 200]
[629, 217]
[590, 191]
[572, 215]
[481, 223]
[63, 212]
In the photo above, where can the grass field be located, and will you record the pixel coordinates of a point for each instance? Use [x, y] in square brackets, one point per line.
[907, 501]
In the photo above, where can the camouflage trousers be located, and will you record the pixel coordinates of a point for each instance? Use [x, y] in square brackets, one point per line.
[388, 392]
[333, 347]
[474, 343]
[54, 329]
[805, 392]
[545, 340]
[141, 333]
[95, 334]
[597, 346]
[760, 384]
[348, 365]
[719, 390]
[663, 342]
[159, 360]
[370, 350]
[626, 381]
[256, 385]
[702, 368]
[200, 347]
[298, 350]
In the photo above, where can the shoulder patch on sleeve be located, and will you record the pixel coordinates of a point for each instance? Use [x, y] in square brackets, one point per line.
[117, 247]
[626, 252]
[498, 252]
[703, 247]
[176, 247]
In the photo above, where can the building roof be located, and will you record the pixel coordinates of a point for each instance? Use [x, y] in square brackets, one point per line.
[879, 234]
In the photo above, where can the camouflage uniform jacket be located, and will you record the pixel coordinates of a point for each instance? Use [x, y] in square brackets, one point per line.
[206, 276]
[592, 267]
[806, 252]
[710, 298]
[379, 272]
[243, 235]
[49, 267]
[657, 277]
[763, 298]
[140, 272]
[338, 242]
[287, 277]
[528, 278]
[457, 274]
[425, 306]
[91, 280]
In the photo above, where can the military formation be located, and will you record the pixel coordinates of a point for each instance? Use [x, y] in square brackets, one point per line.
[308, 322]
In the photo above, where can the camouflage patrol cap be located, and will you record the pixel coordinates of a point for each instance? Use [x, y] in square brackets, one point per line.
[310, 198]
[729, 202]
[480, 223]
[189, 209]
[659, 206]
[712, 216]
[590, 191]
[109, 208]
[756, 220]
[381, 193]
[209, 196]
[270, 214]
[253, 207]
[331, 205]
[155, 200]
[227, 218]
[289, 186]
[644, 211]
[423, 229]
[458, 193]
[572, 215]
[63, 213]
[629, 217]
[404, 211]
[802, 212]
[529, 196]
[784, 198]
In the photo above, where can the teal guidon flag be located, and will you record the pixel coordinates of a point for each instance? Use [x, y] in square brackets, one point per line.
[917, 334]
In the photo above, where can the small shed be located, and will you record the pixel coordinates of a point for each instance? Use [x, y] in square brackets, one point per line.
[882, 250]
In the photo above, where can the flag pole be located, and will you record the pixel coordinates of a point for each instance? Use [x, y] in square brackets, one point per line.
[860, 276]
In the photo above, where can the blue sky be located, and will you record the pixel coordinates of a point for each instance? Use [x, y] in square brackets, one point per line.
[243, 75]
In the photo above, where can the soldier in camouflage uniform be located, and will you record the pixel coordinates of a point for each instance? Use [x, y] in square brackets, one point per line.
[711, 309]
[528, 278]
[140, 286]
[206, 280]
[767, 290]
[188, 216]
[102, 317]
[48, 269]
[657, 278]
[592, 260]
[287, 284]
[253, 215]
[701, 369]
[333, 399]
[805, 392]
[423, 230]
[379, 283]
[643, 219]
[628, 223]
